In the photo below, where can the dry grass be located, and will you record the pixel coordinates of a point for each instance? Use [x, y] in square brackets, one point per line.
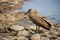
[7, 5]
[7, 19]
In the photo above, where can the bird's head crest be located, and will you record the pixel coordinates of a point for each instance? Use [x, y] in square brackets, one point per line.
[31, 11]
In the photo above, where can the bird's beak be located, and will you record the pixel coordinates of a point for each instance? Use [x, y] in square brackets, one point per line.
[26, 13]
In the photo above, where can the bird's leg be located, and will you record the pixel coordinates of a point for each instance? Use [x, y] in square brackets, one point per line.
[37, 29]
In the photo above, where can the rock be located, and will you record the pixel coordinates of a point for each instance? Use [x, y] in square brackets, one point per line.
[24, 33]
[21, 38]
[45, 38]
[3, 38]
[35, 37]
[42, 35]
[58, 33]
[53, 38]
[58, 25]
[55, 31]
[50, 34]
[31, 28]
[21, 15]
[41, 31]
[58, 38]
[16, 27]
[4, 0]
[42, 28]
[9, 37]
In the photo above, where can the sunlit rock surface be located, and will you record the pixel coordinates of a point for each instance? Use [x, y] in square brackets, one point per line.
[36, 37]
[16, 27]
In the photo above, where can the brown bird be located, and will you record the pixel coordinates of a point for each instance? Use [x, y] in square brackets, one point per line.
[39, 21]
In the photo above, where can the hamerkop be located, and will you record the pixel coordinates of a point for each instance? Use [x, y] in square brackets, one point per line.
[39, 21]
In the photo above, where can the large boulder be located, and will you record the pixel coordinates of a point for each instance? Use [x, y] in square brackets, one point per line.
[16, 27]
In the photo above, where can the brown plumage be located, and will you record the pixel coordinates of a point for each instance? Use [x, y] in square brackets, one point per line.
[36, 19]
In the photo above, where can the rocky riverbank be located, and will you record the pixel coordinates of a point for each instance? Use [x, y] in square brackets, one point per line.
[17, 26]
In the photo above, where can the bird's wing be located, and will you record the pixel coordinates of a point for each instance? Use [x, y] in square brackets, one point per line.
[40, 20]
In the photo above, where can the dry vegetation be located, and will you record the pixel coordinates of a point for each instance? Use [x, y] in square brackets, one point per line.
[7, 5]
[7, 19]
